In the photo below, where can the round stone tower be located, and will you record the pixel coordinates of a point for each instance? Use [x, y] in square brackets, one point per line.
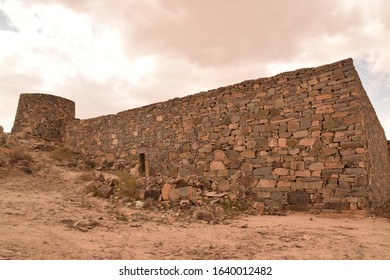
[43, 115]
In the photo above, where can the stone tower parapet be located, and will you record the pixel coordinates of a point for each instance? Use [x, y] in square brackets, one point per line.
[43, 115]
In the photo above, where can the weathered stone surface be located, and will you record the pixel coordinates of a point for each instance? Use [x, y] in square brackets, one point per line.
[185, 192]
[11, 141]
[281, 171]
[166, 189]
[173, 194]
[260, 207]
[105, 191]
[307, 142]
[224, 186]
[153, 194]
[265, 183]
[298, 197]
[307, 185]
[217, 165]
[262, 171]
[316, 166]
[248, 154]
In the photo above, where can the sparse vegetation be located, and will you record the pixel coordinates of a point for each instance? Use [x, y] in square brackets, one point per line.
[19, 156]
[383, 210]
[127, 185]
[232, 207]
[121, 217]
[71, 158]
[149, 203]
[86, 177]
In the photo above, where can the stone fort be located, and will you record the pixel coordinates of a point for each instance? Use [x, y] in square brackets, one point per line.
[308, 136]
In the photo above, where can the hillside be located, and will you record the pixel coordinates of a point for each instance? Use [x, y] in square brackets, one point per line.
[53, 206]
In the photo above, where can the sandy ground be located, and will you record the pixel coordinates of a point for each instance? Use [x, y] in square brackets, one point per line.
[38, 212]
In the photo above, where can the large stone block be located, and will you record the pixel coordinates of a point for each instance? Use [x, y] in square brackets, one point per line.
[262, 171]
[217, 165]
[307, 185]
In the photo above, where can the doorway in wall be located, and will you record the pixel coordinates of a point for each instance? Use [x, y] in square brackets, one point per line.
[142, 165]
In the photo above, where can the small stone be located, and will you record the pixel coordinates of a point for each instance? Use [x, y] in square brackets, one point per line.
[12, 141]
[185, 192]
[165, 191]
[223, 186]
[105, 191]
[307, 142]
[260, 207]
[99, 176]
[281, 171]
[26, 169]
[216, 165]
[185, 204]
[174, 194]
[203, 215]
[139, 204]
[316, 166]
[153, 194]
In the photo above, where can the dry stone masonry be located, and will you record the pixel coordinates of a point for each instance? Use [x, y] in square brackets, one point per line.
[43, 115]
[306, 139]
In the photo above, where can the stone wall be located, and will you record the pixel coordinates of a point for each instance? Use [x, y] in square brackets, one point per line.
[43, 115]
[305, 139]
[302, 139]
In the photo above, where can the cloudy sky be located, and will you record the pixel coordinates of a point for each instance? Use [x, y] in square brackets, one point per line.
[109, 56]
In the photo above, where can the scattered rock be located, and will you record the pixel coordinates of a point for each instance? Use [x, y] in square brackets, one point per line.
[105, 191]
[68, 222]
[185, 204]
[1, 130]
[83, 225]
[11, 141]
[165, 191]
[26, 169]
[203, 215]
[139, 204]
[112, 182]
[153, 194]
[174, 194]
[260, 207]
[43, 146]
[185, 192]
[99, 176]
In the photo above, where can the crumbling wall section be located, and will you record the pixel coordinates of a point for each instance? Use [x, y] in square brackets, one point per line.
[43, 115]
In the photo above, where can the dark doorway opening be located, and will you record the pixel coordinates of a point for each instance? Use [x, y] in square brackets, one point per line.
[141, 165]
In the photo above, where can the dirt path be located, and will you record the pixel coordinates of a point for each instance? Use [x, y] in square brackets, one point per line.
[37, 214]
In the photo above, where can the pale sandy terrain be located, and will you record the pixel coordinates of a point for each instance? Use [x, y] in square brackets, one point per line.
[38, 212]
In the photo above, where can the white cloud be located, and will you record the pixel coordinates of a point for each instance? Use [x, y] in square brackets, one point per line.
[111, 57]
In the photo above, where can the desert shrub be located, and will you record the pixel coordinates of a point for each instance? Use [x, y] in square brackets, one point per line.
[121, 217]
[232, 207]
[383, 210]
[127, 185]
[86, 177]
[71, 158]
[19, 156]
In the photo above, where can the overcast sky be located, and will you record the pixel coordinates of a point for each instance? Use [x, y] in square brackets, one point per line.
[109, 56]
